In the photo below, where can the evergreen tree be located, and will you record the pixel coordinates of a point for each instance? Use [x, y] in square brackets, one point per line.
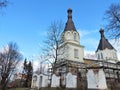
[28, 71]
[29, 74]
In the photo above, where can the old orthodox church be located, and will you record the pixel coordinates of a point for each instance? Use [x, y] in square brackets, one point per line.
[74, 58]
[73, 51]
[71, 55]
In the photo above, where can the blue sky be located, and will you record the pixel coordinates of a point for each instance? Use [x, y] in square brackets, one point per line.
[26, 21]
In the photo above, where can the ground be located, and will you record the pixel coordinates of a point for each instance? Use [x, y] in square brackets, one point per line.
[18, 89]
[117, 87]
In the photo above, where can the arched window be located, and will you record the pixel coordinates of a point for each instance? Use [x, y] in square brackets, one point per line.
[35, 78]
[75, 37]
[98, 56]
[101, 56]
[68, 35]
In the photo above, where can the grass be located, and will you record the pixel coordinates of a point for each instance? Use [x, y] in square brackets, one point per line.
[18, 89]
[35, 89]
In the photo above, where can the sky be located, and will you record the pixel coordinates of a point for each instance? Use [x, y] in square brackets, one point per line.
[26, 22]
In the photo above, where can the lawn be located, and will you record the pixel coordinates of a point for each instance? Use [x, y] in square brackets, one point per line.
[18, 89]
[35, 89]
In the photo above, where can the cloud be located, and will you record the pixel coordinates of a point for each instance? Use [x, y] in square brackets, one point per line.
[84, 32]
[90, 43]
[89, 38]
[89, 52]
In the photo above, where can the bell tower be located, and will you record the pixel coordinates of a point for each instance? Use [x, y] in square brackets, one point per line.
[70, 33]
[71, 41]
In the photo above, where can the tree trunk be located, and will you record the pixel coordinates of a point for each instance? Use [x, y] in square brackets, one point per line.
[3, 84]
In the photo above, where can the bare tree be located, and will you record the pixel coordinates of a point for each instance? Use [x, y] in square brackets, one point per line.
[9, 58]
[53, 42]
[112, 15]
[3, 3]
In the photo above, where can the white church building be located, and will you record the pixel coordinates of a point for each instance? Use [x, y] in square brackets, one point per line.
[74, 59]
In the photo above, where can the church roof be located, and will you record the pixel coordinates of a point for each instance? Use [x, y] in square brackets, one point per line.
[104, 43]
[69, 24]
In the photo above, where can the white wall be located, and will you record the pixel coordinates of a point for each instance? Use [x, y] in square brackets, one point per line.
[107, 54]
[70, 42]
[71, 52]
[42, 81]
[68, 36]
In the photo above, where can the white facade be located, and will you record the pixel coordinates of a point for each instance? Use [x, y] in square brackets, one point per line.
[71, 80]
[55, 81]
[39, 81]
[70, 36]
[70, 48]
[96, 81]
[105, 50]
[107, 54]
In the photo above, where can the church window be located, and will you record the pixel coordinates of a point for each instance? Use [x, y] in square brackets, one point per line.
[75, 53]
[101, 56]
[75, 36]
[68, 35]
[114, 55]
[98, 57]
